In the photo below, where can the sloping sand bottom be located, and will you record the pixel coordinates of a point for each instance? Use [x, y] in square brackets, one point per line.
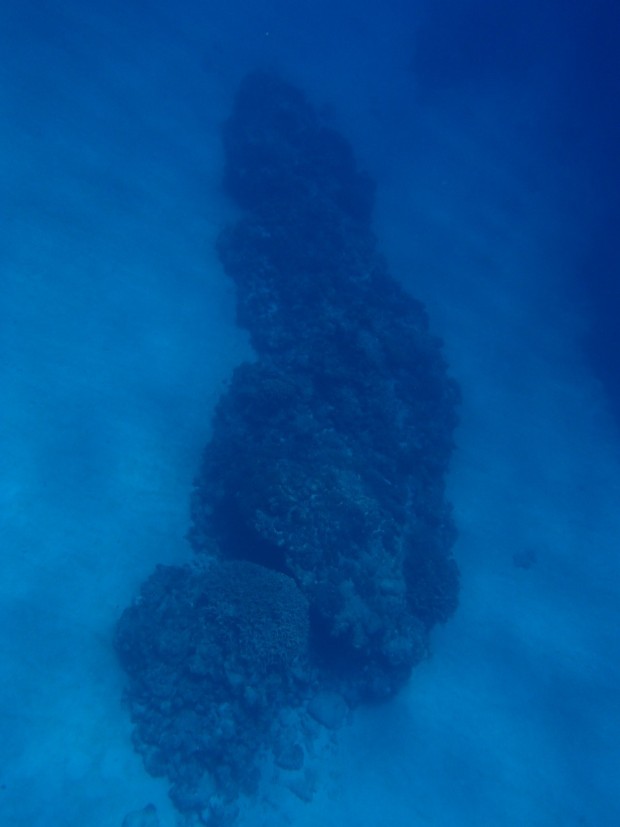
[119, 330]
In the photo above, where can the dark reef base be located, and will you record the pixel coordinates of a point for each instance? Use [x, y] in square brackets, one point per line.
[322, 532]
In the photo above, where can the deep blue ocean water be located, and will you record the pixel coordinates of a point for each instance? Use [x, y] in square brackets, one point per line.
[491, 132]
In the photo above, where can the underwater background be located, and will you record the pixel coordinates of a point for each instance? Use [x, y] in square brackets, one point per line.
[491, 133]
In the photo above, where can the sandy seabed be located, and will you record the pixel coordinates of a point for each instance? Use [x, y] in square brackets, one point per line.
[117, 334]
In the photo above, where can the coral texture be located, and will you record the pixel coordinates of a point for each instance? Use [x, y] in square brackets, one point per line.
[329, 452]
[322, 531]
[212, 654]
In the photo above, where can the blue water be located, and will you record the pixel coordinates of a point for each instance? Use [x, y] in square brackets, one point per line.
[491, 134]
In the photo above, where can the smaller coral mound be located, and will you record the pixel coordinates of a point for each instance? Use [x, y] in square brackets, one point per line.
[213, 654]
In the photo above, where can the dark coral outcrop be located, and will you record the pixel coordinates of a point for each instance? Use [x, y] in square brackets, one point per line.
[323, 535]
